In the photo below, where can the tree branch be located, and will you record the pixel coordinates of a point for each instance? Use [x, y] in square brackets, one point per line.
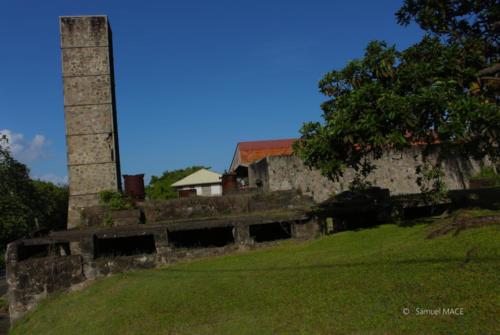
[489, 70]
[495, 25]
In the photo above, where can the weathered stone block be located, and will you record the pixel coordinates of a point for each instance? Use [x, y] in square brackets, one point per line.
[87, 90]
[95, 216]
[75, 248]
[85, 61]
[242, 234]
[305, 230]
[94, 178]
[84, 200]
[87, 149]
[109, 266]
[84, 31]
[75, 205]
[126, 217]
[34, 279]
[89, 119]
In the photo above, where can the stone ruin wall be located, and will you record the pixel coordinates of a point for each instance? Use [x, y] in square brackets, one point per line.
[90, 112]
[395, 171]
[75, 258]
[176, 229]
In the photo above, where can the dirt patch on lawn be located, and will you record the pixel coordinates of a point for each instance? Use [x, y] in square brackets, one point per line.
[460, 221]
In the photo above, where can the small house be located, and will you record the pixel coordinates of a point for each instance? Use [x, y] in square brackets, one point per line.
[201, 183]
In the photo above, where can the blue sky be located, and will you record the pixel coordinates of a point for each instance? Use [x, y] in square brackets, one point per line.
[193, 78]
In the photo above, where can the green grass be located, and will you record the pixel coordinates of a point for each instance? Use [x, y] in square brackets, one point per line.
[488, 173]
[4, 305]
[347, 283]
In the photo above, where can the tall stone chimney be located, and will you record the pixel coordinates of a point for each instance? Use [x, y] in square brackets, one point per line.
[90, 111]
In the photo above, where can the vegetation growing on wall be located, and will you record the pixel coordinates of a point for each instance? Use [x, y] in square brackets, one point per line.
[160, 188]
[443, 89]
[488, 174]
[115, 200]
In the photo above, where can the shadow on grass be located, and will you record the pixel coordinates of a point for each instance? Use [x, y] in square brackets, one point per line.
[483, 198]
[415, 222]
[461, 221]
[426, 261]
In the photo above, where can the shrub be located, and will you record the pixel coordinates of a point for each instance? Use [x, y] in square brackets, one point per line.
[432, 186]
[115, 200]
[488, 173]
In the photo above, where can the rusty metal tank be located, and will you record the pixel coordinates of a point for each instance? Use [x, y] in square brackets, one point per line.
[134, 186]
[229, 183]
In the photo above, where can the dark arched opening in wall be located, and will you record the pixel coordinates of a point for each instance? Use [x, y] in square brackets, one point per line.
[124, 246]
[201, 238]
[270, 231]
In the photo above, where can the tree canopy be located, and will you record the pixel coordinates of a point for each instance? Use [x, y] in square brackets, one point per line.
[160, 188]
[27, 205]
[443, 88]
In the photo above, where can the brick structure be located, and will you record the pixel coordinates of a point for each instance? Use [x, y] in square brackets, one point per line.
[90, 111]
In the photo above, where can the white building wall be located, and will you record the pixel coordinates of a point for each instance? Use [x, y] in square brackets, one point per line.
[215, 189]
[198, 190]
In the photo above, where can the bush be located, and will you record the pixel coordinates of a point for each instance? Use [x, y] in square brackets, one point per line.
[52, 204]
[489, 174]
[115, 200]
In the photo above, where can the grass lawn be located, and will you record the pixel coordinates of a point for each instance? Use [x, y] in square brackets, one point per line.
[347, 283]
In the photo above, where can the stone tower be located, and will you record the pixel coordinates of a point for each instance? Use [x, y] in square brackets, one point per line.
[90, 111]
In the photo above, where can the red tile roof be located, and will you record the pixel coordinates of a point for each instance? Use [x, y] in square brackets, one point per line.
[249, 152]
[263, 145]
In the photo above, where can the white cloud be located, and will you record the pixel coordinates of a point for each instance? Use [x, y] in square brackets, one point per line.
[58, 180]
[27, 151]
[23, 149]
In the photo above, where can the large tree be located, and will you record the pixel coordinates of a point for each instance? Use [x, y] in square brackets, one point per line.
[27, 205]
[17, 206]
[160, 188]
[443, 88]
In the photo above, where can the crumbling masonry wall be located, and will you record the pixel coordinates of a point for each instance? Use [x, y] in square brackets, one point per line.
[395, 171]
[69, 260]
[90, 111]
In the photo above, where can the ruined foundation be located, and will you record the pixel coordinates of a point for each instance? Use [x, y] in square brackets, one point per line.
[175, 230]
[64, 260]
